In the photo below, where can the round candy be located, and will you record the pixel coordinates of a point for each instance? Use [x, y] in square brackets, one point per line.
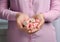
[35, 25]
[37, 20]
[31, 23]
[25, 23]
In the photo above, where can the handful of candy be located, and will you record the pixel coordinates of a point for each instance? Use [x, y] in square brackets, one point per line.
[31, 25]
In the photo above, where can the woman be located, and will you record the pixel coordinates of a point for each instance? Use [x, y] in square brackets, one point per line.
[28, 8]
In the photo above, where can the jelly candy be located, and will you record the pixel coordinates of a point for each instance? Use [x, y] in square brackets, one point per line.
[37, 20]
[31, 23]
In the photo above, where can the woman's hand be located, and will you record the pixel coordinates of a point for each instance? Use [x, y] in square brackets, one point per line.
[21, 17]
[36, 26]
[29, 25]
[41, 18]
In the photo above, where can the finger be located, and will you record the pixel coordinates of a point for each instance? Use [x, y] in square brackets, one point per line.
[34, 30]
[29, 31]
[39, 16]
[19, 23]
[41, 22]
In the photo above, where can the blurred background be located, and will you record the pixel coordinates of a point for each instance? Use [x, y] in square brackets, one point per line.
[3, 30]
[4, 27]
[57, 27]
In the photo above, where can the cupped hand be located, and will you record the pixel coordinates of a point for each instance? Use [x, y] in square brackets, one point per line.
[20, 18]
[40, 19]
[30, 25]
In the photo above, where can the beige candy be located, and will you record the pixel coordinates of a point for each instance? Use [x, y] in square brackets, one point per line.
[25, 23]
[32, 20]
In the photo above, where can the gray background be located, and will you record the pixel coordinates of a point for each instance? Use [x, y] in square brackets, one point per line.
[57, 27]
[4, 27]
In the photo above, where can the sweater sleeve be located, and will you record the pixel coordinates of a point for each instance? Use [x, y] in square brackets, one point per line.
[5, 12]
[54, 12]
